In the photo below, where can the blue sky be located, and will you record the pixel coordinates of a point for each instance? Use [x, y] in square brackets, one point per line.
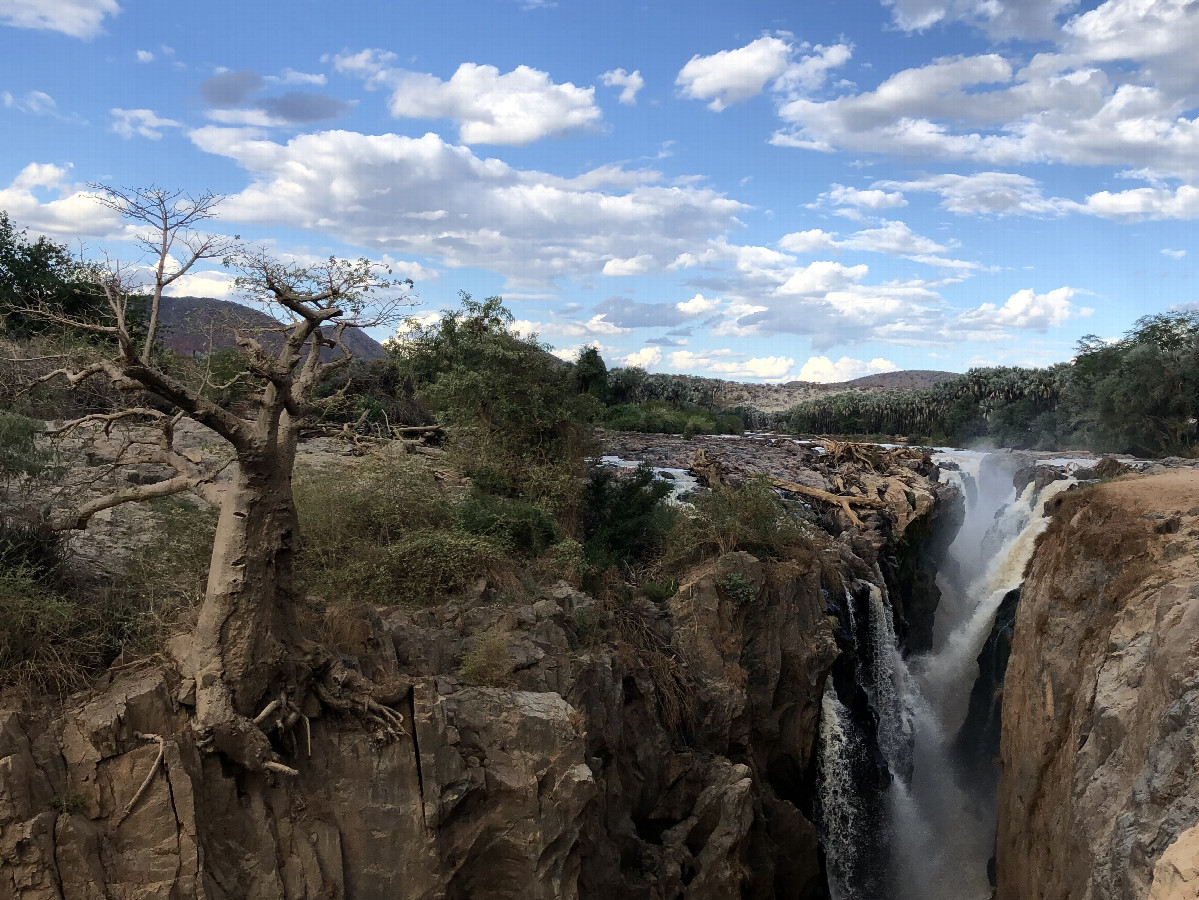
[756, 191]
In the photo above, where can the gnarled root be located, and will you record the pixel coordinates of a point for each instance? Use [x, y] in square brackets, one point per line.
[349, 693]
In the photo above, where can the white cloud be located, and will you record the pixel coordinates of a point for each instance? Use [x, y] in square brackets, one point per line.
[1027, 309]
[758, 367]
[889, 237]
[698, 305]
[515, 108]
[730, 76]
[291, 76]
[1174, 254]
[634, 266]
[76, 18]
[644, 358]
[36, 102]
[145, 56]
[823, 370]
[75, 213]
[424, 197]
[1146, 203]
[873, 199]
[1028, 19]
[810, 241]
[145, 122]
[629, 82]
[213, 283]
[996, 193]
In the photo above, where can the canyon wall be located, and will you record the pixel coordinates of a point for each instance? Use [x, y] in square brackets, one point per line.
[1099, 793]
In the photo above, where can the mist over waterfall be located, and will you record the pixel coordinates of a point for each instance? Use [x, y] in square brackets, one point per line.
[925, 829]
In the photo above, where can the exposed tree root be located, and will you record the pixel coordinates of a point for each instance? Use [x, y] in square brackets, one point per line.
[149, 775]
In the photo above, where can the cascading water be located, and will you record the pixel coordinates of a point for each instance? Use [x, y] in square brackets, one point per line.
[940, 826]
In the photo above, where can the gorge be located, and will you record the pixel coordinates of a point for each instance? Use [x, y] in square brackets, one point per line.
[821, 723]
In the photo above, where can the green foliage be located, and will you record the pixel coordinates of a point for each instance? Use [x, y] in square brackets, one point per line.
[19, 450]
[591, 374]
[69, 804]
[659, 417]
[509, 404]
[624, 519]
[521, 528]
[737, 588]
[660, 591]
[43, 273]
[751, 517]
[389, 534]
[55, 638]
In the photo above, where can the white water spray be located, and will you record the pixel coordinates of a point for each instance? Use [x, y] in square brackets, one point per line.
[839, 811]
[941, 835]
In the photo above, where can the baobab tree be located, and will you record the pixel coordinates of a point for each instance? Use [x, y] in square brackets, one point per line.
[246, 656]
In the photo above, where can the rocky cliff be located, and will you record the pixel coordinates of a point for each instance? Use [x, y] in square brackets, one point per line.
[556, 748]
[1100, 743]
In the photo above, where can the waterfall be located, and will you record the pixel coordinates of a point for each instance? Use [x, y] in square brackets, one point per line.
[839, 815]
[940, 827]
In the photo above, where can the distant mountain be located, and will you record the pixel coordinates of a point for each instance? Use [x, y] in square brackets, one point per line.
[190, 325]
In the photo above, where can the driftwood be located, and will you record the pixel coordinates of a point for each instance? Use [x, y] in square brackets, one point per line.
[842, 500]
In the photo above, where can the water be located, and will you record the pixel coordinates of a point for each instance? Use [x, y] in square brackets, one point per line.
[840, 816]
[940, 827]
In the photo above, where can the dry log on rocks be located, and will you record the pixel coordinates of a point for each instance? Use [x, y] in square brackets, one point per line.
[842, 500]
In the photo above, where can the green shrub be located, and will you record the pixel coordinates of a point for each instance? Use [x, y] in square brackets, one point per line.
[36, 550]
[19, 450]
[751, 517]
[520, 527]
[388, 534]
[624, 519]
[737, 588]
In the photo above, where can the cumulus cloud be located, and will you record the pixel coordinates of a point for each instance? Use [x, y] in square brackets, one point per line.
[636, 265]
[1146, 203]
[698, 305]
[873, 199]
[291, 76]
[1026, 309]
[987, 193]
[1026, 19]
[823, 370]
[730, 76]
[35, 102]
[75, 213]
[424, 197]
[515, 108]
[76, 18]
[300, 108]
[1174, 254]
[644, 358]
[629, 83]
[212, 283]
[143, 122]
[229, 92]
[889, 237]
[145, 56]
[1119, 90]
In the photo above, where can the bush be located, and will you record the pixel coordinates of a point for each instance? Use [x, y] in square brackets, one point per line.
[624, 519]
[488, 661]
[520, 527]
[19, 452]
[751, 517]
[388, 534]
[737, 588]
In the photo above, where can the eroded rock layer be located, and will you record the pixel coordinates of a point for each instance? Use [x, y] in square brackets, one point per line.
[1099, 796]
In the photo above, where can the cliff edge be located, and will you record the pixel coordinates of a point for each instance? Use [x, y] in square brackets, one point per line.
[1100, 746]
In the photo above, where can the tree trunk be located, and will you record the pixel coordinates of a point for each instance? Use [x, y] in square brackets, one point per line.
[243, 652]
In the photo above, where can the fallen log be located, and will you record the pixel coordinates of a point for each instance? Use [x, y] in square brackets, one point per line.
[842, 500]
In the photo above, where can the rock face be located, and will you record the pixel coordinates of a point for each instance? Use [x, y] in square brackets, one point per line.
[1100, 747]
[555, 748]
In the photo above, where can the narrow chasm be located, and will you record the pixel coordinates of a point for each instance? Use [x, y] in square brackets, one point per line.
[910, 720]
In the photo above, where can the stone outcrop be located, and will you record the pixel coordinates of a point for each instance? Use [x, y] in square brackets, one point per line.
[1100, 747]
[554, 748]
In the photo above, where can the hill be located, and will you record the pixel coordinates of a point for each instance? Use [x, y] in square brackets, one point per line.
[192, 325]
